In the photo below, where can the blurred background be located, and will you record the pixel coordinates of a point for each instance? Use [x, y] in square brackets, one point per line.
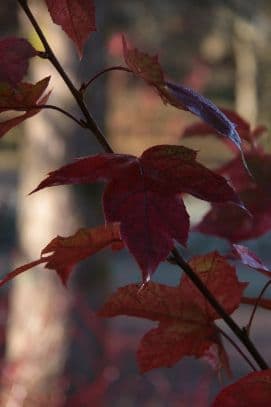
[54, 350]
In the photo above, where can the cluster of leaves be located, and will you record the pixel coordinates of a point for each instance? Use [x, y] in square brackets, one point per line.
[144, 209]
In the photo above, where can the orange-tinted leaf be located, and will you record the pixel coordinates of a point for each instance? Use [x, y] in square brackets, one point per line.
[63, 253]
[220, 278]
[253, 390]
[76, 17]
[67, 251]
[143, 194]
[23, 98]
[143, 65]
[14, 57]
[184, 330]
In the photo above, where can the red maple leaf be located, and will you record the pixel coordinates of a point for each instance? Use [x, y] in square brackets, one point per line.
[14, 56]
[76, 17]
[232, 223]
[143, 194]
[186, 325]
[24, 97]
[68, 251]
[253, 390]
[229, 221]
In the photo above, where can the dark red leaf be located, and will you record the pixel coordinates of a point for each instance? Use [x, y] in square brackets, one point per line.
[165, 345]
[253, 390]
[68, 251]
[231, 222]
[179, 170]
[250, 259]
[14, 57]
[141, 195]
[149, 220]
[260, 166]
[22, 98]
[76, 17]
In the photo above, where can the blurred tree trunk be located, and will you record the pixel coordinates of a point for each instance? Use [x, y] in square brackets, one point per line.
[37, 334]
[246, 70]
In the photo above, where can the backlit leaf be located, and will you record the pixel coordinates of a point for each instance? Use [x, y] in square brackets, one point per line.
[76, 17]
[25, 97]
[143, 65]
[63, 253]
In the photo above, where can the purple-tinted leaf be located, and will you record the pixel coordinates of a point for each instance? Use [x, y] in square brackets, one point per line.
[250, 259]
[202, 107]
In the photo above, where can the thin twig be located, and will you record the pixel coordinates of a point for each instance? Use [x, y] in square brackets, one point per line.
[38, 107]
[90, 123]
[239, 350]
[248, 327]
[84, 86]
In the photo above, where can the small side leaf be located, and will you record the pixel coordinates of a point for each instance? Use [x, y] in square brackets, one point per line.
[14, 57]
[143, 65]
[63, 253]
[25, 97]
